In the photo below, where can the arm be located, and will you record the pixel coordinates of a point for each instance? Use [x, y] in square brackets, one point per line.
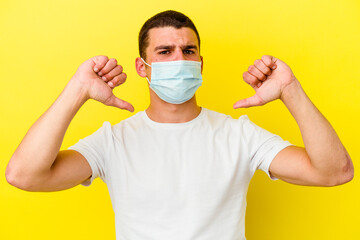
[37, 164]
[324, 161]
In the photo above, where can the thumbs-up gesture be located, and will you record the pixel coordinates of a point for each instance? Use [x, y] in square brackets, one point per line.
[98, 76]
[269, 77]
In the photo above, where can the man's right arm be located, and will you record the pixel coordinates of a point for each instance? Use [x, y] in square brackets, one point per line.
[37, 164]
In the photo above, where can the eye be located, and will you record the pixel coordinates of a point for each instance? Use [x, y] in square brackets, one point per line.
[188, 52]
[164, 52]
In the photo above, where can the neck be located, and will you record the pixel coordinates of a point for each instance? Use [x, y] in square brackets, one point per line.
[163, 112]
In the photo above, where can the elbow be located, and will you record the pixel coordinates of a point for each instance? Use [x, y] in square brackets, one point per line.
[345, 174]
[11, 176]
[342, 179]
[17, 179]
[350, 176]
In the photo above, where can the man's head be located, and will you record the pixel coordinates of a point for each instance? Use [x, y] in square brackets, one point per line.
[169, 36]
[168, 18]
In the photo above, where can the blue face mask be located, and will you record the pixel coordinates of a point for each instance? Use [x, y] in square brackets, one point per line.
[175, 81]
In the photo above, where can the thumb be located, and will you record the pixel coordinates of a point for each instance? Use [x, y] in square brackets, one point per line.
[117, 102]
[249, 102]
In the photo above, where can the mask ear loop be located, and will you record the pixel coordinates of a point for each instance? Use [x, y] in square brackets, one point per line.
[145, 62]
[149, 66]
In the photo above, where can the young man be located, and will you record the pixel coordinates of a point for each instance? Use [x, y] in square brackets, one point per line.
[176, 170]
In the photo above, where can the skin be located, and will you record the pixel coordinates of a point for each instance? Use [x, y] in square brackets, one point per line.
[38, 165]
[170, 44]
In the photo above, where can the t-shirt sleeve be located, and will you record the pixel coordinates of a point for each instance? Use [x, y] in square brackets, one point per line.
[262, 145]
[94, 149]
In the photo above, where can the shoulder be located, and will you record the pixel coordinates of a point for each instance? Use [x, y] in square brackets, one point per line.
[107, 128]
[224, 119]
[133, 120]
[241, 127]
[135, 123]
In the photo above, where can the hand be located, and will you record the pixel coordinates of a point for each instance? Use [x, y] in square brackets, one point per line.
[269, 77]
[98, 76]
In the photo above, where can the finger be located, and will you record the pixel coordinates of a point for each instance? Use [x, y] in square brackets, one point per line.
[118, 80]
[269, 61]
[113, 73]
[110, 65]
[249, 102]
[116, 102]
[251, 80]
[257, 73]
[100, 62]
[259, 64]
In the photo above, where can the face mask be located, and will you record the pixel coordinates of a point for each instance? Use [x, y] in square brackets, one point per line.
[175, 81]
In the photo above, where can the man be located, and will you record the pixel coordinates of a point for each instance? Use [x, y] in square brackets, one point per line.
[176, 170]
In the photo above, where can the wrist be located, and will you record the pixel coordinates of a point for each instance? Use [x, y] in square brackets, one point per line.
[292, 93]
[74, 95]
[77, 91]
[296, 101]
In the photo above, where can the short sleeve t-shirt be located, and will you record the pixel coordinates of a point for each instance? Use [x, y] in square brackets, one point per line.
[179, 181]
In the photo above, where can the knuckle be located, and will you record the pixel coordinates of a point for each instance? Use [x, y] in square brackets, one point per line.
[108, 76]
[100, 61]
[103, 59]
[124, 76]
[120, 68]
[114, 81]
[251, 68]
[267, 71]
[249, 78]
[266, 59]
[119, 79]
[253, 81]
[113, 60]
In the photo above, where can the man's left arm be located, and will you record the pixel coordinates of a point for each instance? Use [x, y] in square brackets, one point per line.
[324, 161]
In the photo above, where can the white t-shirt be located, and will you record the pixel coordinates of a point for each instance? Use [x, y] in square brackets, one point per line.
[179, 181]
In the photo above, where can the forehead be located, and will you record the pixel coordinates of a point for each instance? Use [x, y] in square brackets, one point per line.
[172, 36]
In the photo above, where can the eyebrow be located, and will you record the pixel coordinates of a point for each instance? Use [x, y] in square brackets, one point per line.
[173, 46]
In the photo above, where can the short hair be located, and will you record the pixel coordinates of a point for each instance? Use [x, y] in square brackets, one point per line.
[167, 18]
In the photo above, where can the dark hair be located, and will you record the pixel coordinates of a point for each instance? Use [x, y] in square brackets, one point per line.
[167, 18]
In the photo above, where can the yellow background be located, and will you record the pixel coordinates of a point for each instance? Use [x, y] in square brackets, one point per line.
[43, 42]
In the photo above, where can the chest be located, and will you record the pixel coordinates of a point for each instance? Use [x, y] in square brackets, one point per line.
[167, 165]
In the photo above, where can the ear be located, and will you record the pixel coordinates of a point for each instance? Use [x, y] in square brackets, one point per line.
[202, 63]
[140, 67]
